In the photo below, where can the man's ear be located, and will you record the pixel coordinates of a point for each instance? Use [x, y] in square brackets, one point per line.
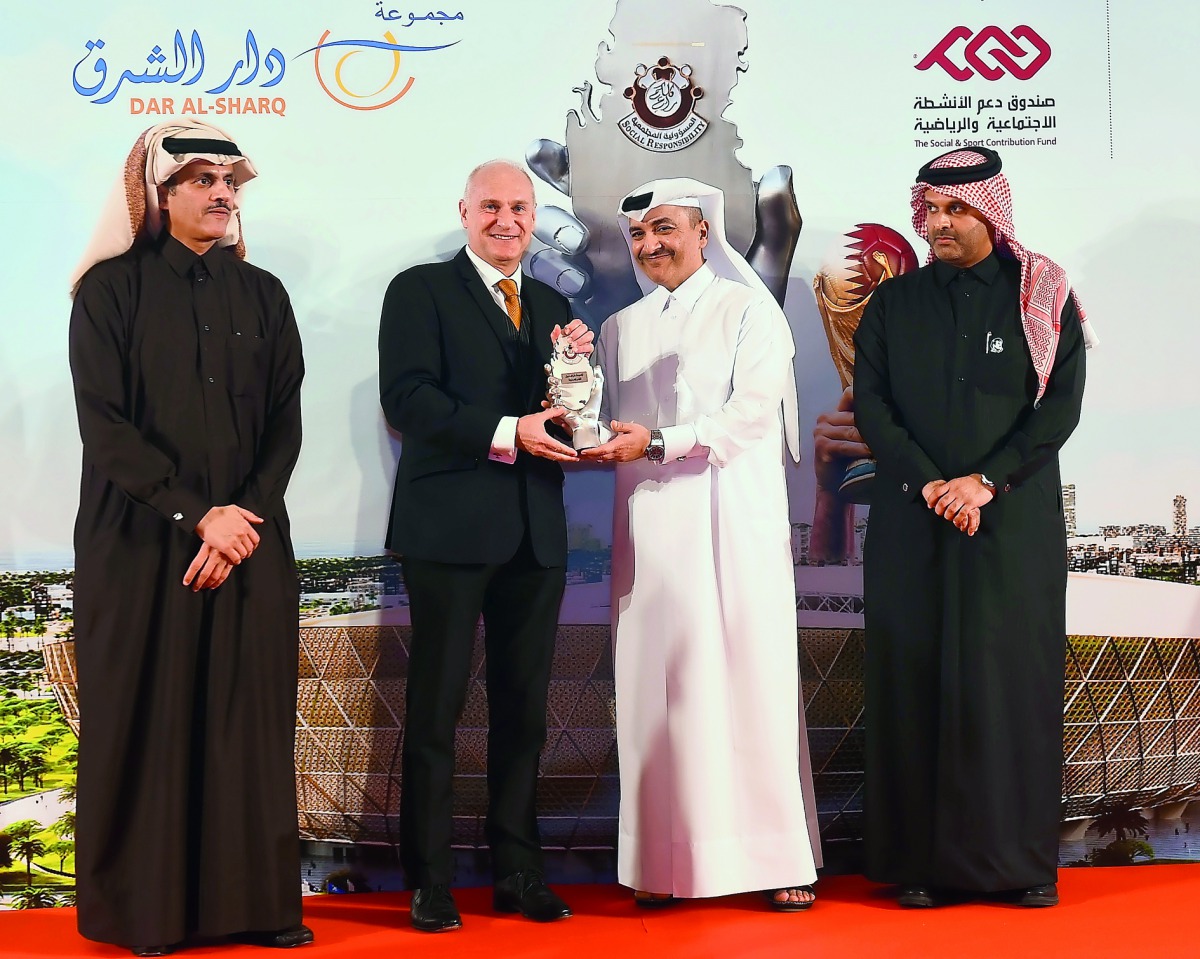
[163, 193]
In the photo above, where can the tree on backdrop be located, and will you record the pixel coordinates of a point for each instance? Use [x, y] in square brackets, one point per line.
[1124, 822]
[8, 757]
[33, 897]
[28, 848]
[64, 825]
[62, 848]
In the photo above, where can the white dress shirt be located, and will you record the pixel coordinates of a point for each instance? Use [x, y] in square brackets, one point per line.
[504, 440]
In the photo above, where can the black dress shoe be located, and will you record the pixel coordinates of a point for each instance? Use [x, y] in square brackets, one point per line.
[152, 950]
[433, 910]
[1035, 896]
[528, 894]
[914, 897]
[277, 939]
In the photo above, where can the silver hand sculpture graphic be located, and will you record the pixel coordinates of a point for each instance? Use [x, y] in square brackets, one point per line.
[662, 117]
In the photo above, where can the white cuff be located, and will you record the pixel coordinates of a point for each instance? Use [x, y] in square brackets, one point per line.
[504, 441]
[679, 442]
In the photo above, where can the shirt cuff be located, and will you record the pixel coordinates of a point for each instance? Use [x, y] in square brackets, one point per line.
[504, 441]
[679, 442]
[182, 507]
[1000, 467]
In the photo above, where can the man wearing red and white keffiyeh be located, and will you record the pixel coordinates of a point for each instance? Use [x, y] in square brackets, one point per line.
[968, 379]
[1044, 286]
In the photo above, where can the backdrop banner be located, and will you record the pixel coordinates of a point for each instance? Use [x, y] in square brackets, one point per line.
[364, 120]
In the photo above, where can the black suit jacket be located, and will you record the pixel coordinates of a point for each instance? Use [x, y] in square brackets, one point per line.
[445, 380]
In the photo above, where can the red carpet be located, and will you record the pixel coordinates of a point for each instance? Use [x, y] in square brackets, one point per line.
[1113, 912]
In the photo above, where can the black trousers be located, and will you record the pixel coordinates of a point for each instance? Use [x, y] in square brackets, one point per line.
[519, 601]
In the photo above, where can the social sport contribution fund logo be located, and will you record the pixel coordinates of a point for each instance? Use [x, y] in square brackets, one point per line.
[991, 53]
[664, 117]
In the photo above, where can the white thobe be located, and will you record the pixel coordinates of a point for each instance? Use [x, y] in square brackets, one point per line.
[703, 597]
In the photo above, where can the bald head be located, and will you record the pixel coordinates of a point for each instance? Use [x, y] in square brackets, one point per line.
[495, 165]
[497, 211]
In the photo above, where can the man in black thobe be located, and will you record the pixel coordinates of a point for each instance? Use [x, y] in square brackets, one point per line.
[968, 379]
[187, 368]
[477, 518]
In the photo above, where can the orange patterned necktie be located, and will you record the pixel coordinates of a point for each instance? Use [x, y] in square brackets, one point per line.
[512, 301]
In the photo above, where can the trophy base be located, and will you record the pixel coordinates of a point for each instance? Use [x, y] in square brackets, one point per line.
[588, 436]
[858, 481]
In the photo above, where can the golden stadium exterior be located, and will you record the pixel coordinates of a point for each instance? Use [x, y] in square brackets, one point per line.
[1131, 739]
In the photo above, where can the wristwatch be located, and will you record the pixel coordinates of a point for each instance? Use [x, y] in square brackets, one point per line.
[657, 449]
[987, 482]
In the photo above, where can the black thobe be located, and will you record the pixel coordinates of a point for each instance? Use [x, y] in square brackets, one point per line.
[187, 375]
[965, 635]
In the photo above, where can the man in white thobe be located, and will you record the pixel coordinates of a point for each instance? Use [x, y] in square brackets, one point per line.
[697, 376]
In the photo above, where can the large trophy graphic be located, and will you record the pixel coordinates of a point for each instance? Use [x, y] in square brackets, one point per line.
[849, 275]
[577, 387]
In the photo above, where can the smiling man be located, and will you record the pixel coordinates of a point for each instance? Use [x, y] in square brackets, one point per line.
[968, 378]
[187, 369]
[697, 380]
[477, 521]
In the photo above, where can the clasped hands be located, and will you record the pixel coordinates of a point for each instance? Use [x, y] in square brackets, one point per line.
[958, 500]
[531, 428]
[229, 537]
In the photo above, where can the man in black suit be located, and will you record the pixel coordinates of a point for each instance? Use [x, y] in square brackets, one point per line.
[477, 519]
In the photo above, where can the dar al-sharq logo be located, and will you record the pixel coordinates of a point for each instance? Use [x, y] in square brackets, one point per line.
[991, 53]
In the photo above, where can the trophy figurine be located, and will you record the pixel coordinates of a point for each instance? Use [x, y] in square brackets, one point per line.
[577, 388]
[861, 260]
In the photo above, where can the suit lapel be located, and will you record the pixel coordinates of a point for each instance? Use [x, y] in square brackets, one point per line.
[536, 311]
[497, 320]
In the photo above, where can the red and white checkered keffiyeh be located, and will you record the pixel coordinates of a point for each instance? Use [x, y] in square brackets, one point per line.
[132, 212]
[1044, 285]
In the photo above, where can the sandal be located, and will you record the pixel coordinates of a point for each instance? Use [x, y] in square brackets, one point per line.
[648, 900]
[790, 905]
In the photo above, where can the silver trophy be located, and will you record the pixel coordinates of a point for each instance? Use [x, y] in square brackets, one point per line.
[577, 388]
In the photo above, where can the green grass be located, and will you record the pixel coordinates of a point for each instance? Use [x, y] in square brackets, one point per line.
[13, 879]
[51, 862]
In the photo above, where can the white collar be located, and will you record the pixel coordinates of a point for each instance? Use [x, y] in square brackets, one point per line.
[690, 290]
[489, 274]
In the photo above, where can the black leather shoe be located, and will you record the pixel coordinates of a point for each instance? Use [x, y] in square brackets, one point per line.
[433, 910]
[914, 897]
[278, 939]
[528, 894]
[1036, 896]
[152, 950]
